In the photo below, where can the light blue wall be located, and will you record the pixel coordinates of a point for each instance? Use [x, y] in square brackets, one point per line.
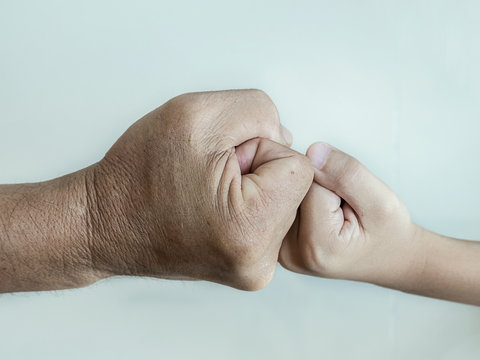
[395, 83]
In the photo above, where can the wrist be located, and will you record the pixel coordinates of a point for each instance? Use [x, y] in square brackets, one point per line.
[449, 269]
[415, 266]
[102, 221]
[115, 237]
[44, 237]
[405, 264]
[74, 228]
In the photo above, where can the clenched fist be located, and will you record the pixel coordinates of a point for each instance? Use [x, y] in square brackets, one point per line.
[352, 226]
[204, 187]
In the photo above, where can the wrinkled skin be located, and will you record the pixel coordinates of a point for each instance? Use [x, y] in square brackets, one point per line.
[204, 187]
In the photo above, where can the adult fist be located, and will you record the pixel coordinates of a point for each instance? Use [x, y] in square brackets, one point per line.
[204, 187]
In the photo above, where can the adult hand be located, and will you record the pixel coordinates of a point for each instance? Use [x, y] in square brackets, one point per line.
[204, 187]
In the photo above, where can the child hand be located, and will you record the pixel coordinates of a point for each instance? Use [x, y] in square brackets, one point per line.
[351, 226]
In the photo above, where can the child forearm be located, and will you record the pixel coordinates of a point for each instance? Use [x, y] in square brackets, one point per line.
[450, 268]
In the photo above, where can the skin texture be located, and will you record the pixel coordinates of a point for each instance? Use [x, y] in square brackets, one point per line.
[42, 235]
[352, 226]
[204, 187]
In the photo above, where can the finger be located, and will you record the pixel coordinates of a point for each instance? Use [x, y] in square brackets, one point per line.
[321, 213]
[245, 155]
[277, 173]
[276, 182]
[324, 222]
[251, 114]
[348, 178]
[289, 255]
[324, 214]
[320, 216]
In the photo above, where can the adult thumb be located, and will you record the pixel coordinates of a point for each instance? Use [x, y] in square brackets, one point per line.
[275, 177]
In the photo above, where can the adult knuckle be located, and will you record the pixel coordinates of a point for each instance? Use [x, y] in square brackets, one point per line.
[267, 105]
[254, 279]
[178, 102]
[185, 104]
[258, 93]
[175, 111]
[181, 116]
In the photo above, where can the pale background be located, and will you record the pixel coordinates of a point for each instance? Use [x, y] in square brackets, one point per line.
[395, 83]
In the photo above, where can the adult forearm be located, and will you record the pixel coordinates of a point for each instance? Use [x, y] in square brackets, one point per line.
[170, 199]
[44, 237]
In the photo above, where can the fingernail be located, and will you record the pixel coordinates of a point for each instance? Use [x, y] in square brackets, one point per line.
[318, 154]
[287, 135]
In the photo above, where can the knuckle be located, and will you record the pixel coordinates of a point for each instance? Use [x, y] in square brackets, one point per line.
[176, 111]
[258, 93]
[248, 265]
[181, 116]
[267, 105]
[183, 104]
[255, 279]
[179, 101]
